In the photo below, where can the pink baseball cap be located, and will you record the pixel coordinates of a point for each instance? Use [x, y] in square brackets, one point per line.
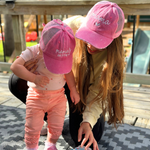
[103, 23]
[57, 43]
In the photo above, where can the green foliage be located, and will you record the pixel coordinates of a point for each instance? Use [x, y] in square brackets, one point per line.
[28, 44]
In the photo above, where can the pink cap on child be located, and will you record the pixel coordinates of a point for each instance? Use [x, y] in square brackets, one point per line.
[103, 23]
[57, 43]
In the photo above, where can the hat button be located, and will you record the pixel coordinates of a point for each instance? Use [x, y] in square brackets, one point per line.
[63, 29]
[112, 4]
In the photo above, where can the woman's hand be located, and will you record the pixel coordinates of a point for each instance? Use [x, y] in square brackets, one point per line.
[85, 128]
[31, 65]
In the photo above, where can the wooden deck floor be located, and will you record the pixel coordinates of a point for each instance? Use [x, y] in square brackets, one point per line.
[137, 106]
[136, 99]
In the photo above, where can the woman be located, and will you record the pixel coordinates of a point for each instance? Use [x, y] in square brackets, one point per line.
[98, 70]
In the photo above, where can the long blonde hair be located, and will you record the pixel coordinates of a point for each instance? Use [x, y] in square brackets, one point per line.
[111, 81]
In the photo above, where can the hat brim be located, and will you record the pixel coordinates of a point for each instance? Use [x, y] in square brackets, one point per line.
[58, 66]
[95, 39]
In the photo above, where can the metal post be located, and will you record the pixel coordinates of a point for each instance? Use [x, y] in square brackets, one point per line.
[52, 17]
[132, 56]
[37, 26]
[149, 66]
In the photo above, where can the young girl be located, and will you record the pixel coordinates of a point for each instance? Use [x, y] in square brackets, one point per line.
[46, 92]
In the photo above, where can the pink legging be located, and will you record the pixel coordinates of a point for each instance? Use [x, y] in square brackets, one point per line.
[39, 102]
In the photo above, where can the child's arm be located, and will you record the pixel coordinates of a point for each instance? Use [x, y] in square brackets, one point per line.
[18, 69]
[72, 86]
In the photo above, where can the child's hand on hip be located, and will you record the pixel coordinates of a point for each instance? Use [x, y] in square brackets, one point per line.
[41, 80]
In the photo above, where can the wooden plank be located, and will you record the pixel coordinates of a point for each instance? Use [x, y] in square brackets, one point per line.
[139, 104]
[14, 102]
[46, 10]
[148, 124]
[129, 119]
[137, 92]
[19, 34]
[45, 19]
[141, 122]
[130, 78]
[136, 96]
[74, 2]
[74, 7]
[2, 99]
[22, 106]
[139, 9]
[137, 21]
[137, 78]
[30, 20]
[53, 2]
[12, 57]
[5, 66]
[136, 89]
[137, 112]
[69, 9]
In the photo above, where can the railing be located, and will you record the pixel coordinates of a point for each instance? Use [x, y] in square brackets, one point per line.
[129, 77]
[70, 7]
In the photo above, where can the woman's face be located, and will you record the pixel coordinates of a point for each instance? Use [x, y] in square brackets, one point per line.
[92, 50]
